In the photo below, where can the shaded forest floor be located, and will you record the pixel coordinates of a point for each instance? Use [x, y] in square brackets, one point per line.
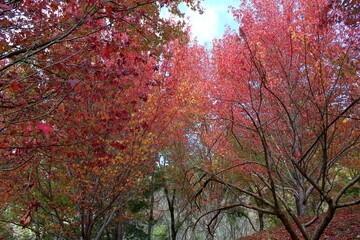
[344, 226]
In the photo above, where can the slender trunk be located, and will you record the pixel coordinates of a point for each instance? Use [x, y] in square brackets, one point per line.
[151, 218]
[261, 221]
[88, 234]
[88, 226]
[171, 206]
[37, 228]
[119, 232]
[172, 221]
[260, 214]
[151, 213]
[106, 222]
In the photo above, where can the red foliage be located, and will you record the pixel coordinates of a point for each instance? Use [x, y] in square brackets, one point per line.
[78, 121]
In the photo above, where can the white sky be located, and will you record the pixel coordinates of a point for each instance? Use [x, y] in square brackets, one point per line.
[210, 24]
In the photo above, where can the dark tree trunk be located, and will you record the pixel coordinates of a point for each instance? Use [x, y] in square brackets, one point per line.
[119, 233]
[151, 217]
[261, 221]
[151, 213]
[171, 206]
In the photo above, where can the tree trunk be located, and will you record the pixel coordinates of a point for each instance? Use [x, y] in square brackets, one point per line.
[171, 206]
[261, 221]
[151, 213]
[37, 228]
[288, 226]
[324, 223]
[151, 217]
[172, 220]
[119, 234]
[301, 204]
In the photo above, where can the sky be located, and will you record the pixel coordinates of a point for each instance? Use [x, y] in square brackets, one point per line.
[211, 24]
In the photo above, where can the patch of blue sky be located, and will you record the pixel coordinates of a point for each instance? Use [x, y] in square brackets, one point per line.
[213, 22]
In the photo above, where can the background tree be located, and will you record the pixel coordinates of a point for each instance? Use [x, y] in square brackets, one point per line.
[184, 74]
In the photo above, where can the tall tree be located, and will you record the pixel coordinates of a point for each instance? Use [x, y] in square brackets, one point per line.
[287, 95]
[184, 74]
[77, 117]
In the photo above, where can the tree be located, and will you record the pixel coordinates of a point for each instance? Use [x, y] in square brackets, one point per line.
[287, 98]
[183, 76]
[44, 56]
[76, 111]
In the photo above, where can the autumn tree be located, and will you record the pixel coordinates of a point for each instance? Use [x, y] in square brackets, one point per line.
[184, 73]
[185, 145]
[287, 100]
[77, 113]
[48, 49]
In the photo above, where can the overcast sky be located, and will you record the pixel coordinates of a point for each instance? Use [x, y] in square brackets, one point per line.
[211, 24]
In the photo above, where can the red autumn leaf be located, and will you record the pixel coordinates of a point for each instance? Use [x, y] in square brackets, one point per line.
[46, 128]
